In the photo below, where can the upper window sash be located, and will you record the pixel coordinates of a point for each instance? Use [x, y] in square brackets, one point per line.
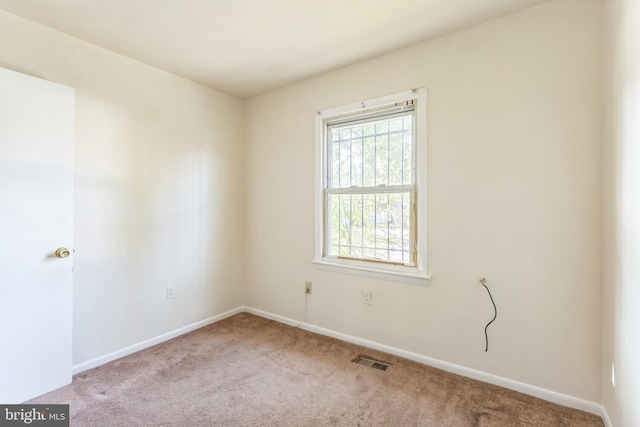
[372, 118]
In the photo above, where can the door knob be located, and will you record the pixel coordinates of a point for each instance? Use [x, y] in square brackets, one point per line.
[62, 252]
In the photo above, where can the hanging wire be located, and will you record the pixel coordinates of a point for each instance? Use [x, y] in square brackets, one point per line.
[304, 316]
[483, 282]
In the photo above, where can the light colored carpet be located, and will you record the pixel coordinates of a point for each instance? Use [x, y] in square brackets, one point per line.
[249, 371]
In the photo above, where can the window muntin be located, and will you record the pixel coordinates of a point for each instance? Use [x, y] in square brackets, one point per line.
[370, 187]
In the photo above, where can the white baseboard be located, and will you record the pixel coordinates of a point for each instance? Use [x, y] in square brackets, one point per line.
[101, 360]
[551, 396]
[605, 418]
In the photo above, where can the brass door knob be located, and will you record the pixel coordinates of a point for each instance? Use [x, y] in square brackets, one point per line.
[62, 252]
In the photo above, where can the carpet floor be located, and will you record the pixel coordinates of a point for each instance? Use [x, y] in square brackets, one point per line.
[250, 371]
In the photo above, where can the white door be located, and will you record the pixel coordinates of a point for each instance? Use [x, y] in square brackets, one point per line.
[36, 202]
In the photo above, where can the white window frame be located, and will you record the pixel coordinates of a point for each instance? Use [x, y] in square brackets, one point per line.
[378, 270]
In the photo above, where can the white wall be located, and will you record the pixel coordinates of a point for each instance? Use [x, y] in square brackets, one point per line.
[514, 195]
[159, 182]
[621, 296]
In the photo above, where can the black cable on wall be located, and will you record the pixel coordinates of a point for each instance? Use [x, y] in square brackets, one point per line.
[495, 315]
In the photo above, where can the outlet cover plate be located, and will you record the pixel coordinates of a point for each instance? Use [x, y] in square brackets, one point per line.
[366, 297]
[171, 291]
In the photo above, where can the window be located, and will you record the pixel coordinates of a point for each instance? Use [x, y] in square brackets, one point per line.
[371, 188]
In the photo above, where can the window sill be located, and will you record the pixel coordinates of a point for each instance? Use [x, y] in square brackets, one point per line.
[374, 273]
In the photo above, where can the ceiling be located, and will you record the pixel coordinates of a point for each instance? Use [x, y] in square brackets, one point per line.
[249, 47]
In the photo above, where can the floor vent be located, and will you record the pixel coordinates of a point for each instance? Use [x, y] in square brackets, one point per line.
[375, 364]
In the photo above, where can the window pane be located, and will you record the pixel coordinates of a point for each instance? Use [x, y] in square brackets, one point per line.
[369, 222]
[335, 164]
[345, 224]
[368, 159]
[372, 153]
[395, 125]
[334, 226]
[356, 162]
[369, 129]
[382, 226]
[406, 231]
[371, 226]
[345, 164]
[382, 159]
[407, 177]
[395, 159]
[356, 222]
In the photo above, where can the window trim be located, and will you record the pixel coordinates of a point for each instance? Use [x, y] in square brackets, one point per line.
[397, 273]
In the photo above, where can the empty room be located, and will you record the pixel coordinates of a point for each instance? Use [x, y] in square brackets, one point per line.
[296, 213]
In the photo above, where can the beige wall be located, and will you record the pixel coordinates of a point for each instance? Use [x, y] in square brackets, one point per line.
[514, 171]
[621, 286]
[159, 178]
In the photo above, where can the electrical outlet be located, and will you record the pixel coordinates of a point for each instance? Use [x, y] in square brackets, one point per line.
[366, 297]
[171, 291]
[307, 288]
